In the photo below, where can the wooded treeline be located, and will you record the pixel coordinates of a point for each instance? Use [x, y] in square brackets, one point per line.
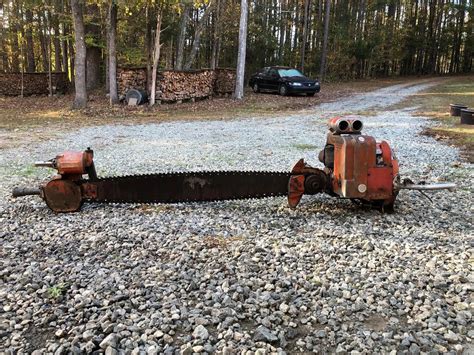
[364, 38]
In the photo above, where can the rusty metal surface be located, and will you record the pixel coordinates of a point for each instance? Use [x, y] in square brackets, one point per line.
[295, 190]
[190, 187]
[25, 191]
[305, 180]
[62, 195]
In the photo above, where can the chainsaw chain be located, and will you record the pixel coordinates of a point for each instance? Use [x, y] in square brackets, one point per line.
[128, 181]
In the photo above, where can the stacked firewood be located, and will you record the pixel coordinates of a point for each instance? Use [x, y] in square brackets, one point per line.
[130, 78]
[225, 81]
[174, 85]
[181, 85]
[33, 83]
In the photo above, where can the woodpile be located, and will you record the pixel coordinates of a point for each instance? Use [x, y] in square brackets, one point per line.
[225, 81]
[33, 83]
[182, 85]
[173, 85]
[130, 78]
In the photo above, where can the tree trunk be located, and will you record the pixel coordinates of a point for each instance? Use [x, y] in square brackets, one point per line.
[148, 49]
[111, 36]
[43, 40]
[219, 24]
[240, 75]
[15, 44]
[197, 37]
[3, 48]
[64, 51]
[307, 5]
[80, 100]
[215, 35]
[93, 52]
[281, 36]
[156, 58]
[322, 69]
[30, 51]
[457, 52]
[72, 61]
[49, 50]
[56, 40]
[183, 23]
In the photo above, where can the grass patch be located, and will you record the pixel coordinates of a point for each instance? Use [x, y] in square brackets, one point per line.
[434, 103]
[28, 171]
[367, 113]
[56, 291]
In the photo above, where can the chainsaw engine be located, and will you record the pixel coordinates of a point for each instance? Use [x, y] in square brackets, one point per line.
[359, 166]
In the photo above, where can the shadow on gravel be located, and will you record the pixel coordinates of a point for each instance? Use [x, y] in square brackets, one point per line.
[38, 337]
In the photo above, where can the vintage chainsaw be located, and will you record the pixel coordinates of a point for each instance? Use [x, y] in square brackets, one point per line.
[356, 167]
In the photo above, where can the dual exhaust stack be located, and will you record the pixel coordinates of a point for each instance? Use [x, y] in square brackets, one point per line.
[339, 125]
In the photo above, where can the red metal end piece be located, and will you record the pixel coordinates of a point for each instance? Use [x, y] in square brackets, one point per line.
[74, 163]
[296, 184]
[295, 190]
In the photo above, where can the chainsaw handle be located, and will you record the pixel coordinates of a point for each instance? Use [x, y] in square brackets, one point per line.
[25, 191]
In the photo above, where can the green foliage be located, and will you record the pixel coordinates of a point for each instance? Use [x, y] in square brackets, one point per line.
[366, 37]
[56, 291]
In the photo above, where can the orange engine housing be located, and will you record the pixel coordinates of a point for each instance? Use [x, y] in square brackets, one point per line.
[360, 167]
[73, 163]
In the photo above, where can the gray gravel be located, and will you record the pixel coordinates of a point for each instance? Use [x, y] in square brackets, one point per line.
[248, 277]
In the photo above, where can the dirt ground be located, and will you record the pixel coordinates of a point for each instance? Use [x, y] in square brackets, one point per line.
[434, 103]
[37, 118]
[34, 118]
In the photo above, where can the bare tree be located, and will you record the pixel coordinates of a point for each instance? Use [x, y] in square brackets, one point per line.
[183, 23]
[322, 69]
[197, 36]
[30, 51]
[15, 44]
[93, 50]
[64, 51]
[156, 57]
[56, 40]
[148, 47]
[80, 99]
[307, 5]
[111, 41]
[239, 82]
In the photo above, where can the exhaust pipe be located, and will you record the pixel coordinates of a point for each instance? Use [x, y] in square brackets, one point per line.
[339, 125]
[357, 126]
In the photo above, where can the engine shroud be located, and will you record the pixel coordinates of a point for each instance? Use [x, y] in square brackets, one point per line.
[359, 166]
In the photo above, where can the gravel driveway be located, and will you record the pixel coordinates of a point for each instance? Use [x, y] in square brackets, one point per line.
[248, 277]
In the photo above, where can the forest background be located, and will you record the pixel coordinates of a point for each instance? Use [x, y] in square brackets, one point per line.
[334, 39]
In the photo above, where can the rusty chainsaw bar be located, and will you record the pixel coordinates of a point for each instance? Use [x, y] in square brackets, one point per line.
[69, 190]
[188, 187]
